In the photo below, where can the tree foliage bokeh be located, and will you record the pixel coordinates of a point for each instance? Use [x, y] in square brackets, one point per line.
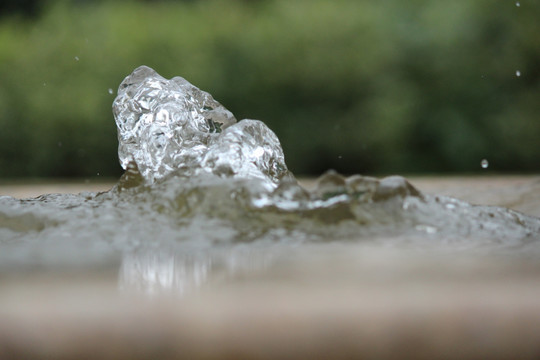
[357, 86]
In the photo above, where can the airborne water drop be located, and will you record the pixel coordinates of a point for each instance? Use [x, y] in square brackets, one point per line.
[484, 163]
[518, 73]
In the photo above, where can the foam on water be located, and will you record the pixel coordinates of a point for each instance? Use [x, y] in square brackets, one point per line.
[198, 179]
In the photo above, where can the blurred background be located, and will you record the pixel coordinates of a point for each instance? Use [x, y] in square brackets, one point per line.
[370, 87]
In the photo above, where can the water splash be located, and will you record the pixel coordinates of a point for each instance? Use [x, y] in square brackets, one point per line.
[198, 179]
[170, 125]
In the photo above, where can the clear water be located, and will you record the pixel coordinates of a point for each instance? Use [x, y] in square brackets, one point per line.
[203, 191]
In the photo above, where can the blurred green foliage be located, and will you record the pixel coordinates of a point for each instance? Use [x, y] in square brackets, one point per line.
[359, 86]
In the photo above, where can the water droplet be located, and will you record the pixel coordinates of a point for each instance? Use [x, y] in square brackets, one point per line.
[110, 91]
[44, 84]
[518, 73]
[97, 174]
[76, 58]
[484, 163]
[518, 4]
[59, 144]
[340, 157]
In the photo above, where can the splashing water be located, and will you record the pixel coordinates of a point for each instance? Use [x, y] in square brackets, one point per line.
[196, 178]
[167, 126]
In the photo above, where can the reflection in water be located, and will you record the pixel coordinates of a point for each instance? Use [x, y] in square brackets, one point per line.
[160, 271]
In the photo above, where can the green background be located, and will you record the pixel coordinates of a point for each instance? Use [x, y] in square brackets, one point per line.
[372, 87]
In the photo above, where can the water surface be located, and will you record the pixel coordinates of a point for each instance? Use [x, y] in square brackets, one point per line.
[206, 196]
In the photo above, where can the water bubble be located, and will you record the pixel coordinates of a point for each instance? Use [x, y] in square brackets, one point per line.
[518, 73]
[518, 4]
[76, 58]
[484, 163]
[110, 91]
